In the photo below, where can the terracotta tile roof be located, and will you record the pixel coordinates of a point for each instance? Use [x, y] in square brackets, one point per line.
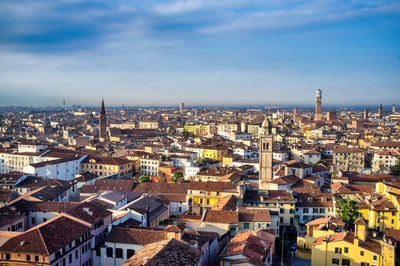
[333, 220]
[57, 161]
[302, 186]
[312, 152]
[285, 180]
[168, 252]
[383, 205]
[225, 217]
[253, 245]
[394, 234]
[106, 160]
[161, 188]
[370, 245]
[5, 194]
[346, 149]
[45, 239]
[88, 212]
[314, 200]
[213, 186]
[299, 165]
[226, 203]
[174, 228]
[139, 236]
[342, 236]
[361, 221]
[199, 237]
[354, 177]
[254, 215]
[109, 185]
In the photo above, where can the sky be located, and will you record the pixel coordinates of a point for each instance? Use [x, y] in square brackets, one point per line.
[201, 52]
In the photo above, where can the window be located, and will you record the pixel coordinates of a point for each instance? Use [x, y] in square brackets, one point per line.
[28, 257]
[109, 252]
[361, 253]
[335, 261]
[282, 210]
[346, 250]
[118, 253]
[130, 253]
[305, 210]
[338, 250]
[374, 257]
[346, 262]
[70, 258]
[364, 264]
[98, 252]
[76, 254]
[246, 225]
[392, 221]
[36, 258]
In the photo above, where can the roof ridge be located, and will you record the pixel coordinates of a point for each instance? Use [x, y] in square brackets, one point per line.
[41, 237]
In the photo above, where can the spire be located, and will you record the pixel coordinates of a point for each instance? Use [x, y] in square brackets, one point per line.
[103, 110]
[267, 125]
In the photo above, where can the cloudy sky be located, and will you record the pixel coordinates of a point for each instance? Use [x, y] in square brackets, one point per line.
[225, 52]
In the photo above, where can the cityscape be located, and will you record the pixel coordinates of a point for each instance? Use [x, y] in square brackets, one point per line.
[197, 132]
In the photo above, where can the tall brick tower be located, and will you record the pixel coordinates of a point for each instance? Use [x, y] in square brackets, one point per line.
[265, 154]
[318, 105]
[103, 123]
[380, 112]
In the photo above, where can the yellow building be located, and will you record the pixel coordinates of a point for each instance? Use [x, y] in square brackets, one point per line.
[227, 161]
[105, 166]
[315, 229]
[348, 159]
[204, 195]
[200, 130]
[214, 152]
[253, 129]
[348, 248]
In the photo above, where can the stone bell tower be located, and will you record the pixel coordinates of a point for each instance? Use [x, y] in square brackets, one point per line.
[265, 154]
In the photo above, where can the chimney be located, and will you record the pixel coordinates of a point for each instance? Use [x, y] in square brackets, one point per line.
[147, 215]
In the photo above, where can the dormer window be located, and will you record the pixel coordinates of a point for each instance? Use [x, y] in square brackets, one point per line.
[310, 199]
[324, 199]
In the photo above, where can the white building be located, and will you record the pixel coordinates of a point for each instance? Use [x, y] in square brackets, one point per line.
[191, 171]
[63, 169]
[384, 159]
[149, 165]
[311, 206]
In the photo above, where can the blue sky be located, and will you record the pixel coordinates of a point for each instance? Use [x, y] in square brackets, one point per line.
[224, 52]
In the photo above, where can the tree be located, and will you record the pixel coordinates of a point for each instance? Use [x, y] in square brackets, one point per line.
[395, 170]
[171, 131]
[144, 179]
[185, 134]
[177, 175]
[200, 162]
[348, 211]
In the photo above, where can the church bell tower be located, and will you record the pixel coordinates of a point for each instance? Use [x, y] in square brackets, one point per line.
[265, 154]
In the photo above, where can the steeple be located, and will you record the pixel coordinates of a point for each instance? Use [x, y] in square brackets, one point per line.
[103, 123]
[267, 126]
[102, 110]
[265, 155]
